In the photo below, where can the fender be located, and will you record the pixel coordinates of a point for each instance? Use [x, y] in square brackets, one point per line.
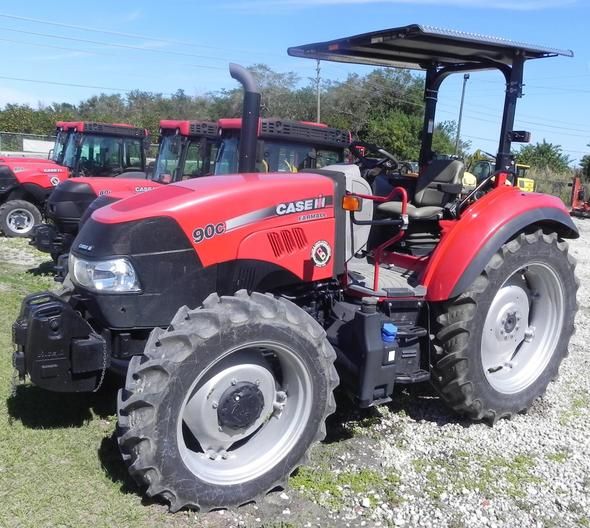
[484, 227]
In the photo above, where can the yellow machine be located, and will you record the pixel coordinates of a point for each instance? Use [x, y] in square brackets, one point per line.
[482, 168]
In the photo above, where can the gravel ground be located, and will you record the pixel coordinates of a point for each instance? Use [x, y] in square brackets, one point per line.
[414, 463]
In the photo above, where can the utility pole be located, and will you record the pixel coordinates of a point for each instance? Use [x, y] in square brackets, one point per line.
[465, 79]
[317, 81]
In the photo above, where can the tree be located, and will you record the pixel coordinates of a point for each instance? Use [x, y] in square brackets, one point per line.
[544, 156]
[443, 141]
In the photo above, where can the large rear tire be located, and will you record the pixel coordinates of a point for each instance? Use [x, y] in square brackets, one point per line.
[224, 405]
[498, 345]
[18, 217]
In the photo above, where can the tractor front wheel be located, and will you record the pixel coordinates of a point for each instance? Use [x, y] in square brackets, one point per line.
[18, 217]
[226, 402]
[499, 344]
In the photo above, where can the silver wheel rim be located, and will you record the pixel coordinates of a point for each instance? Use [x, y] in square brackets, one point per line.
[522, 328]
[20, 221]
[223, 455]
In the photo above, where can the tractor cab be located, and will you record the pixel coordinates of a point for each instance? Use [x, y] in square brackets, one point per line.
[283, 145]
[187, 150]
[98, 149]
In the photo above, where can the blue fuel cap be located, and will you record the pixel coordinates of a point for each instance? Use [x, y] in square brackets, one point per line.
[388, 332]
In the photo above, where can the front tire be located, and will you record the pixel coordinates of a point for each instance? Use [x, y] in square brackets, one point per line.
[226, 402]
[498, 345]
[18, 217]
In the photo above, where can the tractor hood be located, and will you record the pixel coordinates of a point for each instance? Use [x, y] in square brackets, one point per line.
[216, 233]
[217, 214]
[41, 172]
[118, 186]
[70, 199]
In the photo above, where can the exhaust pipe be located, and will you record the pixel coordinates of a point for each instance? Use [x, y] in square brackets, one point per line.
[250, 118]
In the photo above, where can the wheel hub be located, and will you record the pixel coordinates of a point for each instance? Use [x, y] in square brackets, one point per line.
[232, 404]
[510, 322]
[20, 220]
[522, 327]
[240, 406]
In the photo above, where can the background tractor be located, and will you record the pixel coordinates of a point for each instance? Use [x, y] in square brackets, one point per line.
[236, 304]
[187, 149]
[81, 149]
[580, 199]
[190, 149]
[484, 165]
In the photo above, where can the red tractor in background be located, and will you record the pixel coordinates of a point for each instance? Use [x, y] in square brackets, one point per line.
[81, 149]
[190, 149]
[580, 199]
[187, 149]
[237, 304]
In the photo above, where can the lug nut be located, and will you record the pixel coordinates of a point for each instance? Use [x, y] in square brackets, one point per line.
[214, 405]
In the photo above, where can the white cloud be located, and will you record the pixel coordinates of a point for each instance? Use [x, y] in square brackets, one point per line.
[524, 5]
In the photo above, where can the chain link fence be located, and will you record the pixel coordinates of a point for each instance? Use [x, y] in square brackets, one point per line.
[27, 145]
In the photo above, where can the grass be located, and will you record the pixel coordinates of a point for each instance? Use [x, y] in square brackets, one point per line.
[330, 488]
[559, 456]
[58, 463]
[579, 406]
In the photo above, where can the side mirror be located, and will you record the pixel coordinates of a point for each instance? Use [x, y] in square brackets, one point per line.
[50, 154]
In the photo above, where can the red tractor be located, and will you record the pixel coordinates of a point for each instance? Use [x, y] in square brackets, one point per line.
[189, 149]
[580, 201]
[237, 304]
[81, 149]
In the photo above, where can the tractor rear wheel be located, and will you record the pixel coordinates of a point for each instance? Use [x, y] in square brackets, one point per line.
[18, 217]
[224, 404]
[499, 344]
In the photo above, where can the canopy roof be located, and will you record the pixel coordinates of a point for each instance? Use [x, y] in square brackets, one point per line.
[421, 47]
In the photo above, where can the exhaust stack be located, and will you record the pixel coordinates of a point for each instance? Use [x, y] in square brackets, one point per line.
[250, 118]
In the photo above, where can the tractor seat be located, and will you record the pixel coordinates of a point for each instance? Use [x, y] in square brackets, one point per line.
[436, 187]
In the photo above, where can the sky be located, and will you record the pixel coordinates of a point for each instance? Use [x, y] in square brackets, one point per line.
[66, 51]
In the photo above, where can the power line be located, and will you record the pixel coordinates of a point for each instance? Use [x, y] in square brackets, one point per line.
[114, 45]
[127, 35]
[138, 36]
[76, 85]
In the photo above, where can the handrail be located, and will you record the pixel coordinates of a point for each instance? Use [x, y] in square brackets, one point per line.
[403, 224]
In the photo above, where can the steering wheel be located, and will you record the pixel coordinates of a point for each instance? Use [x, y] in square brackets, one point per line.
[360, 149]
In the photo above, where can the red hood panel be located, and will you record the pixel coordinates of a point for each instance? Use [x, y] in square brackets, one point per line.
[118, 186]
[41, 172]
[274, 217]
